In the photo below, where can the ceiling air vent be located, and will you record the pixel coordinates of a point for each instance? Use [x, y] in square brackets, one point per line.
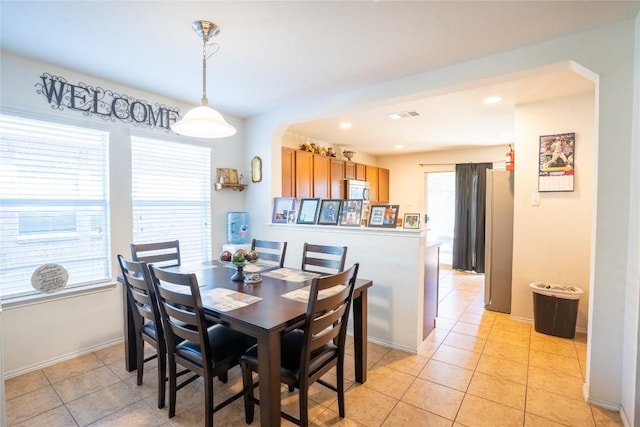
[404, 115]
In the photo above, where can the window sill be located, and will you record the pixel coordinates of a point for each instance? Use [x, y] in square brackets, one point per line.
[33, 299]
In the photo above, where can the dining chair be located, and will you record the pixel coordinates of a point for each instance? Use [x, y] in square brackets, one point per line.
[206, 351]
[323, 259]
[310, 352]
[146, 320]
[161, 254]
[269, 251]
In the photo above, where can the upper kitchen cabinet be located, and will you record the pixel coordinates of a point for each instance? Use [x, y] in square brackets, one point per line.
[337, 178]
[372, 179]
[304, 174]
[378, 179]
[321, 176]
[383, 185]
[355, 170]
[288, 172]
[349, 170]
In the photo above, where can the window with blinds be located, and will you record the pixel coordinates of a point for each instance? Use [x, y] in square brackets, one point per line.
[53, 203]
[171, 194]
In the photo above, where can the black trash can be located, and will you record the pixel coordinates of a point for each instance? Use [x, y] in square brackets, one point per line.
[555, 309]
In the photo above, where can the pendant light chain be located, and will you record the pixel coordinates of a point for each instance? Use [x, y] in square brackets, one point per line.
[204, 101]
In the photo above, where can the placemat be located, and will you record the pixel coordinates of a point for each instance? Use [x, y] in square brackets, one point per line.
[223, 299]
[291, 274]
[302, 294]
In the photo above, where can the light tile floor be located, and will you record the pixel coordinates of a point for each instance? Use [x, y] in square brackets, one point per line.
[477, 368]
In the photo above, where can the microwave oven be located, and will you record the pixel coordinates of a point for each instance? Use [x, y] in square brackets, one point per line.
[356, 189]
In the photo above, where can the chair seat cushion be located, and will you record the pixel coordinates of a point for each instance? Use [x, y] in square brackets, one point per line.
[291, 348]
[224, 344]
[149, 329]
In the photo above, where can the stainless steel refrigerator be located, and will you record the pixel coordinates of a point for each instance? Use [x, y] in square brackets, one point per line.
[499, 241]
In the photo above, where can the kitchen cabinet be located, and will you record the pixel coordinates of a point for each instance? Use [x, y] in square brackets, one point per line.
[361, 171]
[372, 179]
[304, 174]
[383, 185]
[321, 176]
[349, 170]
[337, 178]
[288, 172]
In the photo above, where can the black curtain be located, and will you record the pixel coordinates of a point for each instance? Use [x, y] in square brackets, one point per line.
[468, 232]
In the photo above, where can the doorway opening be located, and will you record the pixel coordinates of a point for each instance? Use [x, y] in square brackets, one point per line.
[440, 209]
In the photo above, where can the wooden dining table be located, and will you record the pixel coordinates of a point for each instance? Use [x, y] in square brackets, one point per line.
[266, 320]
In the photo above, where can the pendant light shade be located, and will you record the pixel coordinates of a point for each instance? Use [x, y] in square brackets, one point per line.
[204, 121]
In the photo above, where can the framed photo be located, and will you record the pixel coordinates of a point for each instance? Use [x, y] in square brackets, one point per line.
[383, 216]
[329, 211]
[227, 175]
[351, 213]
[411, 220]
[282, 207]
[308, 211]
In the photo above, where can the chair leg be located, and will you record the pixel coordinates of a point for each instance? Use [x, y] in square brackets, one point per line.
[247, 384]
[340, 387]
[139, 358]
[172, 387]
[208, 401]
[303, 395]
[224, 376]
[162, 378]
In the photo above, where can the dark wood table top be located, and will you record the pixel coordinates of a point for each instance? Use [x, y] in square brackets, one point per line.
[273, 312]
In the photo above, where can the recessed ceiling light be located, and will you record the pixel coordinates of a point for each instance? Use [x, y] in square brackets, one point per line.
[492, 100]
[345, 125]
[398, 147]
[403, 115]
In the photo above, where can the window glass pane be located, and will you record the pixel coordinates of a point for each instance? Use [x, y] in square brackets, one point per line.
[53, 202]
[171, 192]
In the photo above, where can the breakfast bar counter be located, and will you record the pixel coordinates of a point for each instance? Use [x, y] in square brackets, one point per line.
[394, 258]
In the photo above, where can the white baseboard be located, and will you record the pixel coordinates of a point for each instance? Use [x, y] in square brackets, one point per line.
[59, 359]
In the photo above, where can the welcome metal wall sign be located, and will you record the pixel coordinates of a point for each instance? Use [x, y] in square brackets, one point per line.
[105, 103]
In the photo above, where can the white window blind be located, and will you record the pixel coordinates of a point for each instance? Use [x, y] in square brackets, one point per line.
[171, 192]
[53, 202]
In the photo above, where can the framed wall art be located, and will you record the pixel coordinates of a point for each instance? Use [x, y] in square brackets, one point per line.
[329, 211]
[308, 211]
[351, 213]
[282, 207]
[556, 162]
[383, 216]
[411, 220]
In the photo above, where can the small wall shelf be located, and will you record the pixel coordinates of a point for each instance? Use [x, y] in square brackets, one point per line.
[234, 187]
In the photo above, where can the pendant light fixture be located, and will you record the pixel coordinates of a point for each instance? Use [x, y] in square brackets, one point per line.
[204, 121]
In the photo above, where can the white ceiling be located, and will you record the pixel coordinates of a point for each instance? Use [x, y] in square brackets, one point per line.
[274, 54]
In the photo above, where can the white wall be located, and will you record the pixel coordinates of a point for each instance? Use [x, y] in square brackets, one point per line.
[44, 333]
[552, 241]
[631, 332]
[607, 51]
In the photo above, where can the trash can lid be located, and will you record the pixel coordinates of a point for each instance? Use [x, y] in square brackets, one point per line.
[556, 290]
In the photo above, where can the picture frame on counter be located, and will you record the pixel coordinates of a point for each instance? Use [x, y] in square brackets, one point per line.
[351, 213]
[411, 220]
[384, 216]
[282, 206]
[308, 212]
[329, 211]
